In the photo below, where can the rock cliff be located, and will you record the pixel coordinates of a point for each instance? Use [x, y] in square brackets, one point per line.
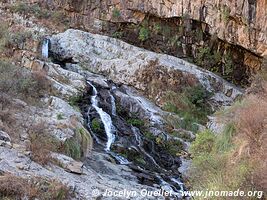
[240, 22]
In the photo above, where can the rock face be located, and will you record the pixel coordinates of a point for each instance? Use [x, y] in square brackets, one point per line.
[240, 22]
[150, 72]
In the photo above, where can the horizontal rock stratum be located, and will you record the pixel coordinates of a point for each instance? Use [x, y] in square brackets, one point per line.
[240, 22]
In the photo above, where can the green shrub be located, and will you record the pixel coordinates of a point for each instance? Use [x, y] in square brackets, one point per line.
[136, 122]
[116, 13]
[117, 34]
[75, 100]
[10, 39]
[78, 145]
[143, 34]
[60, 116]
[225, 13]
[157, 28]
[203, 144]
[191, 105]
[20, 7]
[96, 125]
[228, 65]
[210, 163]
[223, 142]
[72, 148]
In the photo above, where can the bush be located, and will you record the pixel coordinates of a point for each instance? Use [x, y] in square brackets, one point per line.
[14, 187]
[116, 13]
[143, 34]
[42, 144]
[79, 145]
[136, 122]
[96, 125]
[191, 105]
[60, 116]
[21, 83]
[204, 143]
[75, 100]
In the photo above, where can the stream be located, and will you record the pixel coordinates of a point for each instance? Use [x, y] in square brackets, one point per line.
[125, 142]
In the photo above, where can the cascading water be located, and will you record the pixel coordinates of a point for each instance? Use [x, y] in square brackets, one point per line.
[45, 48]
[113, 105]
[140, 146]
[105, 118]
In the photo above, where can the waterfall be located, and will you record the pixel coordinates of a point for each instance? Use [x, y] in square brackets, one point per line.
[113, 105]
[45, 47]
[105, 118]
[140, 145]
[120, 159]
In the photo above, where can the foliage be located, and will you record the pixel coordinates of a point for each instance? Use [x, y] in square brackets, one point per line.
[56, 16]
[78, 145]
[15, 187]
[21, 83]
[60, 116]
[12, 39]
[96, 125]
[59, 17]
[190, 105]
[225, 13]
[42, 144]
[116, 13]
[228, 65]
[233, 158]
[157, 28]
[136, 122]
[204, 143]
[72, 148]
[75, 100]
[143, 34]
[206, 57]
[117, 34]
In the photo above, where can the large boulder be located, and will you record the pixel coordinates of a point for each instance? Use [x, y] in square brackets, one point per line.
[150, 72]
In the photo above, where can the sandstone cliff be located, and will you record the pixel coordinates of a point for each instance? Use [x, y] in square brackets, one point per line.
[240, 22]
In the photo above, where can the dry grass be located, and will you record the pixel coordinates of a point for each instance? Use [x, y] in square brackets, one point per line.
[238, 156]
[14, 187]
[42, 143]
[251, 123]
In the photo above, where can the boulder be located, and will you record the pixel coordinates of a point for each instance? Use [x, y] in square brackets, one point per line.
[150, 72]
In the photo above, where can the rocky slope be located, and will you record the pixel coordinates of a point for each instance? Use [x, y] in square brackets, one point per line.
[110, 93]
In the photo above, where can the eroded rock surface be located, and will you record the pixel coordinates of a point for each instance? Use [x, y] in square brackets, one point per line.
[239, 22]
[150, 72]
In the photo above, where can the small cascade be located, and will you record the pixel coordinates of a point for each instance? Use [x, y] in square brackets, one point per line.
[105, 118]
[45, 48]
[140, 145]
[170, 188]
[113, 105]
[122, 160]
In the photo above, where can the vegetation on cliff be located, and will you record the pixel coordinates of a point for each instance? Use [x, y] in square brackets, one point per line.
[236, 157]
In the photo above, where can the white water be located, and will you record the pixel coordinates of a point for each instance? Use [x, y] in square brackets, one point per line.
[45, 48]
[113, 105]
[167, 187]
[105, 118]
[120, 159]
[140, 145]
